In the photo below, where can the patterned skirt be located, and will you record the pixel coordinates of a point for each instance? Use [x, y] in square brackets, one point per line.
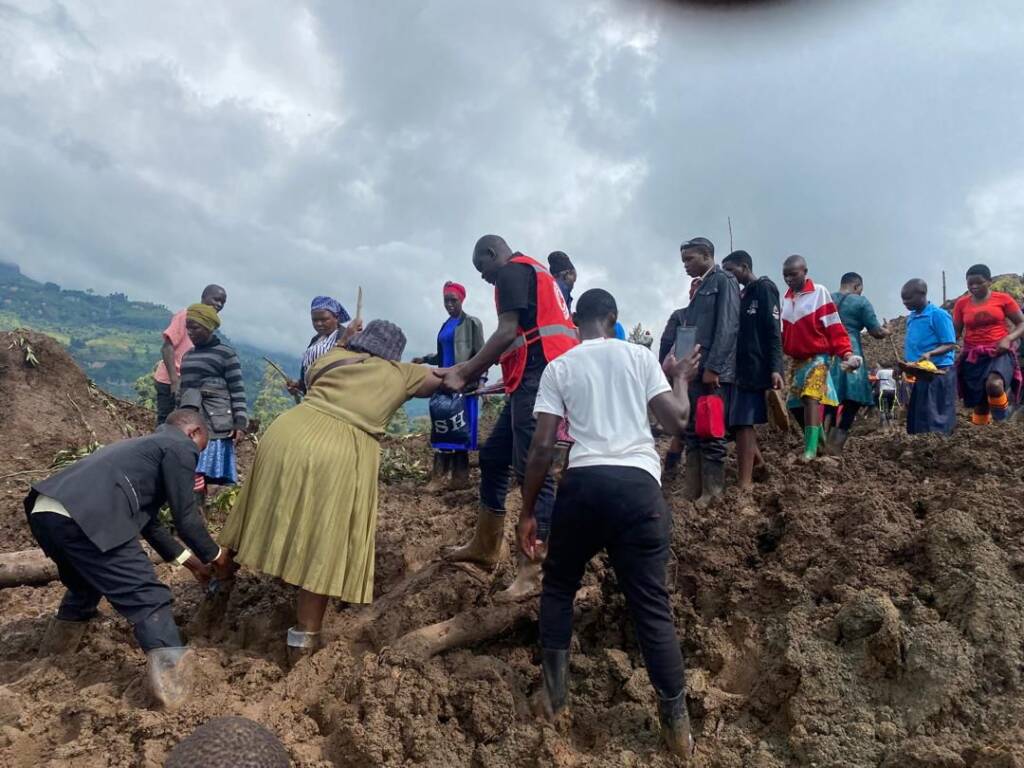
[811, 378]
[217, 464]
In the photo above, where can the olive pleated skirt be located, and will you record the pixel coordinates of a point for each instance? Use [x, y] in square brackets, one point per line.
[308, 512]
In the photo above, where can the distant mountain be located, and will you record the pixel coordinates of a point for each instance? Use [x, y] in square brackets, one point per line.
[113, 339]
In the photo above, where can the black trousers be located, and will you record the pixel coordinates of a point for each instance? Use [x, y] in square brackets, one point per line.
[711, 449]
[622, 510]
[164, 402]
[507, 447]
[123, 575]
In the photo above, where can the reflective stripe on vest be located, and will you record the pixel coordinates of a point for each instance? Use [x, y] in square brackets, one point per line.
[555, 331]
[538, 333]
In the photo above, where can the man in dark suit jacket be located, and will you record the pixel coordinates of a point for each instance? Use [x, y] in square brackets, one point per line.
[88, 519]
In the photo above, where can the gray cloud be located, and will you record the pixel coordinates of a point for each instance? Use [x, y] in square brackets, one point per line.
[290, 150]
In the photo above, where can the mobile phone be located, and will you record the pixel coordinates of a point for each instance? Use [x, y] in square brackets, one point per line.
[686, 340]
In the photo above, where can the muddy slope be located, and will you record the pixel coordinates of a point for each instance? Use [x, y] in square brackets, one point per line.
[863, 612]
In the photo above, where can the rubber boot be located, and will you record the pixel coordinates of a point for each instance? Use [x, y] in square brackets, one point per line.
[693, 482]
[487, 547]
[169, 674]
[555, 672]
[301, 645]
[837, 438]
[62, 637]
[460, 472]
[672, 462]
[439, 472]
[712, 482]
[529, 574]
[675, 726]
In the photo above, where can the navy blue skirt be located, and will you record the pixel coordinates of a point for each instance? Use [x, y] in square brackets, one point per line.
[973, 377]
[932, 405]
[747, 408]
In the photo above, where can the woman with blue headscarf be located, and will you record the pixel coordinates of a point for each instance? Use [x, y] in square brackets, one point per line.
[327, 315]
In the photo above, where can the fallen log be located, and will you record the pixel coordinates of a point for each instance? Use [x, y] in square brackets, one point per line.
[31, 567]
[476, 626]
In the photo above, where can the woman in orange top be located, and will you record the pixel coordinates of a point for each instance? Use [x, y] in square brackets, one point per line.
[991, 323]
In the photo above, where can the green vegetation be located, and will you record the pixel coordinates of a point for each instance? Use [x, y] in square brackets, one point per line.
[115, 341]
[272, 400]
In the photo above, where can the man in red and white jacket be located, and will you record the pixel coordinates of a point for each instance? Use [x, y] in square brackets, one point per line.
[812, 334]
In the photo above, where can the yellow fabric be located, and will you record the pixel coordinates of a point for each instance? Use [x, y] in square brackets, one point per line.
[46, 504]
[815, 384]
[308, 512]
[205, 315]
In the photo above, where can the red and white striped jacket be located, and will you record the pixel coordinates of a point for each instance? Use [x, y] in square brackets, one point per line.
[811, 324]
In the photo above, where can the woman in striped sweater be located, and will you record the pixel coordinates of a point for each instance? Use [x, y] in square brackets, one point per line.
[211, 382]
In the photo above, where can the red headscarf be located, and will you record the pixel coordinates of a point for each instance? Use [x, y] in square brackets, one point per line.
[455, 288]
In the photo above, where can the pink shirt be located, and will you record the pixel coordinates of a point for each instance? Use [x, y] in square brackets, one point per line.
[178, 337]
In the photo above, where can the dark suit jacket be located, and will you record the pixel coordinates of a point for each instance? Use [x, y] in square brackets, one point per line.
[114, 494]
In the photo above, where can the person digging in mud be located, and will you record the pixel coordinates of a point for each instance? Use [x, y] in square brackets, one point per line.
[758, 360]
[988, 370]
[812, 334]
[308, 512]
[88, 519]
[714, 310]
[610, 498]
[211, 383]
[229, 742]
[459, 340]
[888, 400]
[853, 390]
[167, 375]
[328, 316]
[930, 337]
[534, 328]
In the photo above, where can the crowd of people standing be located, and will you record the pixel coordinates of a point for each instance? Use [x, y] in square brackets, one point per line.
[307, 512]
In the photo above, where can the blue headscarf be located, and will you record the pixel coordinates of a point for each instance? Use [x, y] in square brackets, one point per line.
[331, 305]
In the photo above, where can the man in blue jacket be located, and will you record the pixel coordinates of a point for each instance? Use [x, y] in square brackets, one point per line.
[88, 519]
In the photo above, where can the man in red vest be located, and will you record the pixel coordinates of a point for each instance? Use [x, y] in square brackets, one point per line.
[534, 327]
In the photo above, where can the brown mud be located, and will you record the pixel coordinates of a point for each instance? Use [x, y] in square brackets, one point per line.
[866, 611]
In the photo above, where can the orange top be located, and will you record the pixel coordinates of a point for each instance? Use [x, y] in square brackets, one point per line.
[985, 323]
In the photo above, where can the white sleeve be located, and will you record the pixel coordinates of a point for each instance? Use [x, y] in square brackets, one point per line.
[655, 381]
[549, 397]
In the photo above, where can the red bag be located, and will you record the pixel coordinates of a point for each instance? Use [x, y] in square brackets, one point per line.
[710, 417]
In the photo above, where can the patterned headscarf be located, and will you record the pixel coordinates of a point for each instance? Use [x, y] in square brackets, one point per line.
[381, 339]
[331, 305]
[457, 288]
[204, 315]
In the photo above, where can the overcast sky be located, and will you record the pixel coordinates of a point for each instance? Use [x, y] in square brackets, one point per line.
[291, 149]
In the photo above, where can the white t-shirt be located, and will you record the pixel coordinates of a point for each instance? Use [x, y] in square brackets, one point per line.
[603, 387]
[886, 380]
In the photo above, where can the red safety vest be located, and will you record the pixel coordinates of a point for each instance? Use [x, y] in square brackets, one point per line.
[555, 329]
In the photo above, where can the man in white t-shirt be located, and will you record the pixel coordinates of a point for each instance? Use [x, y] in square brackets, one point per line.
[609, 498]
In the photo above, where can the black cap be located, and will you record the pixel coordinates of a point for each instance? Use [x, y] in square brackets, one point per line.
[698, 242]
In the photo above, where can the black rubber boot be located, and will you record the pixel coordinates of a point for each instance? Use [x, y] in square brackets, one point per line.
[693, 482]
[439, 473]
[555, 667]
[837, 438]
[460, 472]
[675, 726]
[712, 482]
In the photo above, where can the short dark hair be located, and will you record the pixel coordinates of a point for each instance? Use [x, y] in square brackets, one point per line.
[595, 304]
[851, 278]
[980, 269]
[183, 418]
[700, 244]
[741, 258]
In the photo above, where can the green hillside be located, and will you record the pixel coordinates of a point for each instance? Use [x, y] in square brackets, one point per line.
[115, 340]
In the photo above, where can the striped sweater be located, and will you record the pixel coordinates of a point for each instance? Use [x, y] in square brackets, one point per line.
[811, 324]
[217, 360]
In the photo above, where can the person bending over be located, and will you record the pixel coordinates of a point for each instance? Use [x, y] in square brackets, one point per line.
[88, 519]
